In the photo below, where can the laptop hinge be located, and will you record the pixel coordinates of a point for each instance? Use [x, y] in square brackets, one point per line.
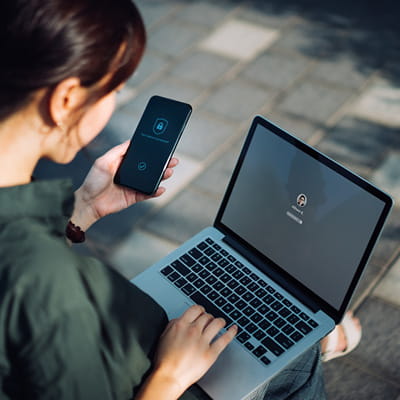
[269, 270]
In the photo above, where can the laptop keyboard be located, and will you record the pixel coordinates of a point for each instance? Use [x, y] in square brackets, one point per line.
[268, 322]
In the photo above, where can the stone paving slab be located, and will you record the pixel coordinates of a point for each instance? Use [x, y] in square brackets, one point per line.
[314, 100]
[276, 70]
[238, 100]
[239, 40]
[202, 68]
[380, 344]
[388, 289]
[190, 212]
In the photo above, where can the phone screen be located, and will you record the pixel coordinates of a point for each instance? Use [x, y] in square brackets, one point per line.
[153, 144]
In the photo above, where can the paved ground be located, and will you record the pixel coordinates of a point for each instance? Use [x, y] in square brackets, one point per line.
[325, 72]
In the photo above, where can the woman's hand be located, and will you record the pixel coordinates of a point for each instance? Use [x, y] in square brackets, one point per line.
[99, 196]
[186, 351]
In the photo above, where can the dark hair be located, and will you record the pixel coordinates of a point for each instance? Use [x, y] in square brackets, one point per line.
[43, 42]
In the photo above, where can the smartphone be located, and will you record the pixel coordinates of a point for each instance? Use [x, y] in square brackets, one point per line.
[153, 144]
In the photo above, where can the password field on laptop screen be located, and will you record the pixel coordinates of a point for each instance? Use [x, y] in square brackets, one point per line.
[305, 217]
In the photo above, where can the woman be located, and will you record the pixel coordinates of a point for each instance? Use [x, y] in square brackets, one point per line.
[70, 327]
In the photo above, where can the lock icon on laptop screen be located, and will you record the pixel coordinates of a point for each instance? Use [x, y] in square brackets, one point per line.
[160, 126]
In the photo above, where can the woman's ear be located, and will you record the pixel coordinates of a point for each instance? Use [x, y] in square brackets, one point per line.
[65, 99]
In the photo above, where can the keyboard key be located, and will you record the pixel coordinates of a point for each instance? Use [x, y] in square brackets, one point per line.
[227, 308]
[272, 346]
[216, 257]
[218, 272]
[218, 286]
[271, 315]
[167, 270]
[239, 264]
[220, 301]
[232, 259]
[253, 287]
[212, 295]
[304, 316]
[263, 309]
[313, 323]
[296, 336]
[223, 263]
[217, 246]
[209, 241]
[233, 283]
[225, 278]
[272, 331]
[224, 252]
[231, 269]
[241, 304]
[302, 327]
[225, 292]
[209, 251]
[233, 298]
[248, 296]
[240, 290]
[287, 303]
[243, 321]
[197, 268]
[255, 303]
[256, 317]
[276, 305]
[288, 329]
[180, 268]
[198, 298]
[188, 289]
[259, 351]
[261, 293]
[259, 335]
[279, 322]
[235, 314]
[278, 296]
[211, 280]
[198, 283]
[265, 360]
[264, 324]
[284, 341]
[243, 337]
[191, 277]
[204, 274]
[293, 319]
[187, 260]
[180, 282]
[249, 346]
[205, 289]
[203, 260]
[270, 289]
[248, 311]
[262, 283]
[211, 266]
[238, 274]
[195, 253]
[295, 309]
[251, 327]
[246, 270]
[202, 245]
[245, 280]
[284, 312]
[268, 299]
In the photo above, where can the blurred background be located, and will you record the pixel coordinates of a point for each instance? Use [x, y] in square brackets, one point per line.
[326, 71]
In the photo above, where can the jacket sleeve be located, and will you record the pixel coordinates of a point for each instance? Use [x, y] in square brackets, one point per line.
[64, 362]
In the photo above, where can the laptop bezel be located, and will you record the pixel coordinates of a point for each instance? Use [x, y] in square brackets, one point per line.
[290, 283]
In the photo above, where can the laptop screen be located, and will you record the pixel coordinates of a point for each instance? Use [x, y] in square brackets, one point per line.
[287, 202]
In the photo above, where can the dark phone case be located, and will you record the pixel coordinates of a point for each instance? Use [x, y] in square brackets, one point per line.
[153, 144]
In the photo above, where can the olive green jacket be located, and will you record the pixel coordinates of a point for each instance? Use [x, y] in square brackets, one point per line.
[70, 327]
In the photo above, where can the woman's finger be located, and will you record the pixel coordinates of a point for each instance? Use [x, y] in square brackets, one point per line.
[192, 313]
[219, 344]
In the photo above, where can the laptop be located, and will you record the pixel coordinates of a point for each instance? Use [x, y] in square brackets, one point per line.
[288, 246]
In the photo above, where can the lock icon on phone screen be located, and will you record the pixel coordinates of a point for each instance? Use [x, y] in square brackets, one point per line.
[160, 126]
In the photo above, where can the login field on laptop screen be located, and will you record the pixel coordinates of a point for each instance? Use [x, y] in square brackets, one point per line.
[304, 216]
